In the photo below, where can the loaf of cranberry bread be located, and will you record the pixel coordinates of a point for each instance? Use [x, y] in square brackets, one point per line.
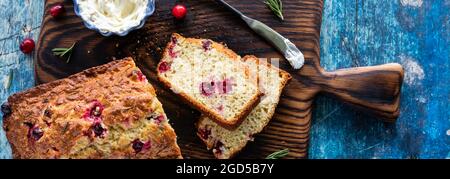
[109, 111]
[210, 77]
[226, 143]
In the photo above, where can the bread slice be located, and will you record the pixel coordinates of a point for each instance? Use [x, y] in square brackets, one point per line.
[226, 143]
[209, 77]
[109, 111]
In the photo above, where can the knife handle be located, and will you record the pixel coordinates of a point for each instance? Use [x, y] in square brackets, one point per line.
[374, 89]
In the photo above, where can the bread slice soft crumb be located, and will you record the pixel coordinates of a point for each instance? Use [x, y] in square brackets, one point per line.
[226, 143]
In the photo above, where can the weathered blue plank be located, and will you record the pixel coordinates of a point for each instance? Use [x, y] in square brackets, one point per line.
[18, 20]
[414, 33]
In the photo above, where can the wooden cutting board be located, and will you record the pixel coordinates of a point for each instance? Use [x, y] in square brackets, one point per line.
[375, 90]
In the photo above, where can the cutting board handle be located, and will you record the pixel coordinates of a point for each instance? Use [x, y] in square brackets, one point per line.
[374, 89]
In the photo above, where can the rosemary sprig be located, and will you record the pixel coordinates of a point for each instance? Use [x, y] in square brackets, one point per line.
[276, 6]
[279, 154]
[64, 52]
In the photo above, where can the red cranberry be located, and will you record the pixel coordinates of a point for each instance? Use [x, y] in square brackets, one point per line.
[163, 67]
[98, 129]
[35, 133]
[6, 109]
[207, 88]
[94, 112]
[204, 133]
[57, 10]
[225, 86]
[27, 45]
[206, 44]
[174, 41]
[137, 145]
[147, 145]
[172, 53]
[159, 119]
[179, 12]
[140, 76]
[218, 148]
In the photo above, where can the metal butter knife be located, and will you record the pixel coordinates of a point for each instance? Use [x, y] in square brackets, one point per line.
[284, 45]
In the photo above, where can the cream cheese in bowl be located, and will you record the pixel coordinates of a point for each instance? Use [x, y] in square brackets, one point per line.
[114, 16]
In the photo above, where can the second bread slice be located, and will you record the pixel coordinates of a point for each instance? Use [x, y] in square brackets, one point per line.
[227, 143]
[210, 77]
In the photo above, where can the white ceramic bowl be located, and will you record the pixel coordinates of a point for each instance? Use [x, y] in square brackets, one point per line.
[148, 12]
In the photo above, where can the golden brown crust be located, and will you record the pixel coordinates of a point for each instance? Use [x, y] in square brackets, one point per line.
[232, 123]
[65, 127]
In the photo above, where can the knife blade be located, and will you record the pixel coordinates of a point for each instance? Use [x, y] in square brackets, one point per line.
[292, 54]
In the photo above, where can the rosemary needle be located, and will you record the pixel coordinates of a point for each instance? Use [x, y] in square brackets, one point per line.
[276, 6]
[278, 154]
[64, 52]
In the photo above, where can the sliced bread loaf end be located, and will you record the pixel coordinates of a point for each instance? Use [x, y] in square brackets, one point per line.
[226, 143]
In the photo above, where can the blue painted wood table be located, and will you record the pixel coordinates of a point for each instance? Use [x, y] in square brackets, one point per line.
[415, 33]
